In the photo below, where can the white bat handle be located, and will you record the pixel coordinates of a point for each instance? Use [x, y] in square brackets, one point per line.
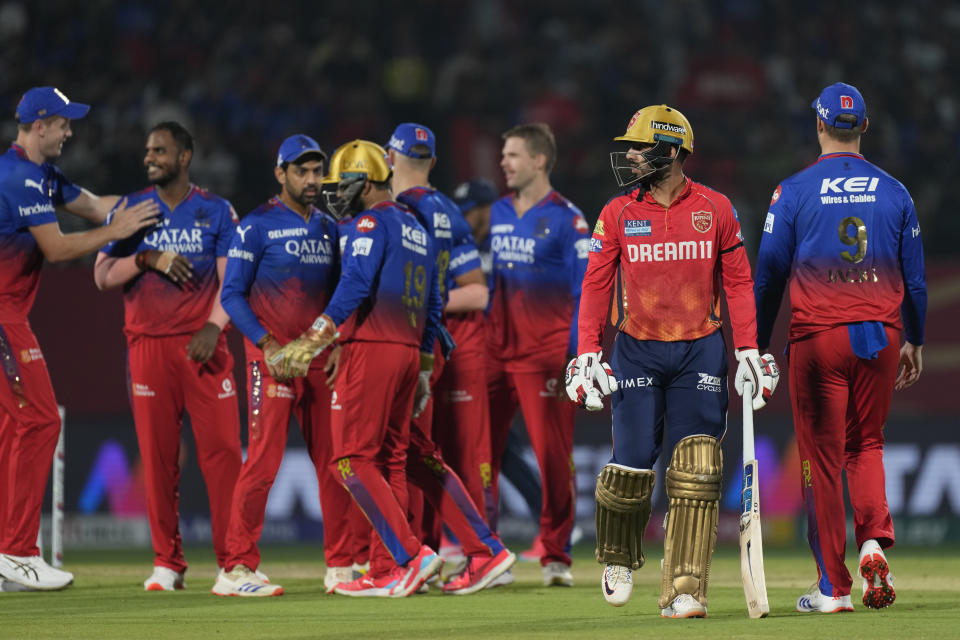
[748, 449]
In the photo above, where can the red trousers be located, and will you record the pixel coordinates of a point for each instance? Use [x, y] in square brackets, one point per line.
[840, 404]
[270, 408]
[163, 383]
[549, 421]
[29, 429]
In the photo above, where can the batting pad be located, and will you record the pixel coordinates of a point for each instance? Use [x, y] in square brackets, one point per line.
[693, 489]
[623, 510]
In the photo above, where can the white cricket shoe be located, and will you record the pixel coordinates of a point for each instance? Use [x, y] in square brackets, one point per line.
[7, 586]
[813, 601]
[684, 606]
[617, 584]
[336, 575]
[164, 579]
[877, 580]
[32, 572]
[557, 574]
[241, 581]
[504, 579]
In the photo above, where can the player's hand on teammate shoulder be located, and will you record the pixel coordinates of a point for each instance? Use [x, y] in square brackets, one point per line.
[761, 371]
[589, 380]
[203, 343]
[127, 220]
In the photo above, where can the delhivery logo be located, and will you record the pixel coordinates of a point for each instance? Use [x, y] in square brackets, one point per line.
[708, 382]
[702, 221]
[501, 228]
[366, 223]
[596, 245]
[637, 228]
[228, 389]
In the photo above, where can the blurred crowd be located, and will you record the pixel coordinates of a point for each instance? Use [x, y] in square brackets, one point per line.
[242, 76]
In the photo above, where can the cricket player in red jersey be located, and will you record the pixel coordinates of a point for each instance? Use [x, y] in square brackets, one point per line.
[663, 249]
[540, 242]
[283, 268]
[31, 188]
[178, 356]
[844, 233]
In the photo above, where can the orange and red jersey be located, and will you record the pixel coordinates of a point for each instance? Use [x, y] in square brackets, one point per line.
[665, 267]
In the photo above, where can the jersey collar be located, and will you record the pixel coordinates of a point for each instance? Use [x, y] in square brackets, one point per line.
[687, 188]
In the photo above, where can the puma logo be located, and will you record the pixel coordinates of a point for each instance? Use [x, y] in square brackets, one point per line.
[33, 183]
[243, 232]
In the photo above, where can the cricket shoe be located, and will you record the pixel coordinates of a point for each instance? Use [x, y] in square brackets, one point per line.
[164, 579]
[367, 586]
[480, 572]
[241, 581]
[337, 575]
[813, 601]
[504, 579]
[617, 584]
[423, 565]
[557, 574]
[260, 574]
[32, 572]
[360, 569]
[534, 553]
[684, 606]
[877, 580]
[6, 586]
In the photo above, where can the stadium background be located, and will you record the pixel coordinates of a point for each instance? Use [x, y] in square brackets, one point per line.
[743, 71]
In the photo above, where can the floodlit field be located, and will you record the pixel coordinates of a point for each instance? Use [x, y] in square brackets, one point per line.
[108, 601]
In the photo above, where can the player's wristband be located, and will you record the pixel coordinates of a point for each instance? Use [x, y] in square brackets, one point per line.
[262, 342]
[141, 260]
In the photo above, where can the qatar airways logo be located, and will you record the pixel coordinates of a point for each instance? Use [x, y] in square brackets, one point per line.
[670, 251]
[310, 250]
[514, 248]
[176, 239]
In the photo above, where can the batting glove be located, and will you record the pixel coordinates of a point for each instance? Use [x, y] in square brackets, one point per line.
[422, 395]
[589, 380]
[762, 372]
[293, 360]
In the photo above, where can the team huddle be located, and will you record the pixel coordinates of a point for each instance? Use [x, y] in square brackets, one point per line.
[404, 330]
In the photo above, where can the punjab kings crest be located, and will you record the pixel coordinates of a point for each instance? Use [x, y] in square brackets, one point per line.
[702, 221]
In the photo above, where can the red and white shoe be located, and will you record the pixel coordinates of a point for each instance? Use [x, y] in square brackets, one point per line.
[813, 601]
[368, 587]
[877, 580]
[534, 553]
[480, 572]
[423, 565]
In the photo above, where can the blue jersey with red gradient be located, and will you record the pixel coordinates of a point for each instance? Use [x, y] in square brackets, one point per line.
[666, 267]
[200, 229]
[539, 260]
[849, 232]
[388, 289]
[28, 195]
[281, 271]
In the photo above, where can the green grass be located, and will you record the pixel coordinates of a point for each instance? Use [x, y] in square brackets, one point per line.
[108, 601]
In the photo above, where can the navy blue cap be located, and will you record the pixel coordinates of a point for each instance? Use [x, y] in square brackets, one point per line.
[295, 146]
[837, 99]
[43, 102]
[409, 134]
[474, 193]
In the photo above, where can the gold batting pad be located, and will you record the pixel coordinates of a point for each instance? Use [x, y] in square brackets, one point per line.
[623, 510]
[693, 489]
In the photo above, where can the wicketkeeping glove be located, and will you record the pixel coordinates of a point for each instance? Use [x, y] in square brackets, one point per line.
[293, 360]
[589, 380]
[761, 371]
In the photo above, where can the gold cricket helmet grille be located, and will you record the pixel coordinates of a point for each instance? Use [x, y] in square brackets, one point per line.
[656, 123]
[360, 158]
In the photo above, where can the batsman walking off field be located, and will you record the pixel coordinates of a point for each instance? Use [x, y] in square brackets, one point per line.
[664, 247]
[845, 234]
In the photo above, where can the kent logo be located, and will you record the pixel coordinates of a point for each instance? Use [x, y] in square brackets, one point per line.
[859, 184]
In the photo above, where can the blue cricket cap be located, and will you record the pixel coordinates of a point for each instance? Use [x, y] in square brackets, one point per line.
[295, 146]
[837, 99]
[410, 134]
[474, 193]
[43, 102]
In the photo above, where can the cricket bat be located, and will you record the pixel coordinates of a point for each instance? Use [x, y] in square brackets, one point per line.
[751, 541]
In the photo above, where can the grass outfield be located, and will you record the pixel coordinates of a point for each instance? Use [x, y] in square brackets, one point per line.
[108, 601]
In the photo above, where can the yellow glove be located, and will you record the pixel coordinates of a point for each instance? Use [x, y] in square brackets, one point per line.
[293, 360]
